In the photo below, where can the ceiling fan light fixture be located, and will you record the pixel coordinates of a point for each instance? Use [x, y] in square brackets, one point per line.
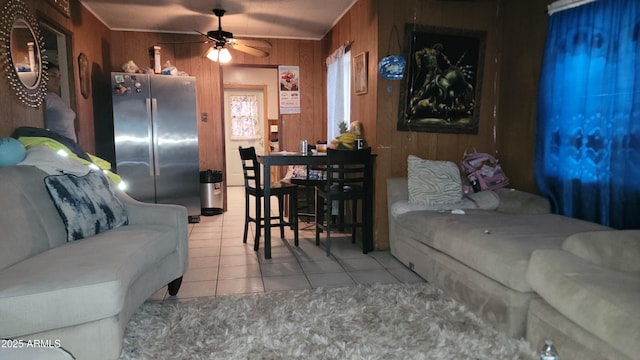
[224, 55]
[218, 54]
[212, 54]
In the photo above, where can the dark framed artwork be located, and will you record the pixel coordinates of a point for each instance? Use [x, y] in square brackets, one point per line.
[441, 92]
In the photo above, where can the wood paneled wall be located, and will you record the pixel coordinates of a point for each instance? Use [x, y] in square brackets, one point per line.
[189, 57]
[359, 28]
[394, 146]
[91, 37]
[507, 130]
[523, 36]
[515, 43]
[368, 24]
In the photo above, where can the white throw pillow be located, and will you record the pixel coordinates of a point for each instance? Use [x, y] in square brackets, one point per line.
[433, 182]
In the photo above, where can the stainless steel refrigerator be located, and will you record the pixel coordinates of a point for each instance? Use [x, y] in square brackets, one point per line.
[156, 138]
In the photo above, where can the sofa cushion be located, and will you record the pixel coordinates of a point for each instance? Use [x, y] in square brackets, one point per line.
[80, 281]
[86, 204]
[433, 182]
[616, 249]
[514, 201]
[486, 200]
[495, 244]
[29, 223]
[602, 301]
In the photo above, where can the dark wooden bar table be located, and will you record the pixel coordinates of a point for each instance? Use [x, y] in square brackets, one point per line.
[293, 158]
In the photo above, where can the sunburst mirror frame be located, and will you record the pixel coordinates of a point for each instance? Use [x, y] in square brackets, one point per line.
[13, 12]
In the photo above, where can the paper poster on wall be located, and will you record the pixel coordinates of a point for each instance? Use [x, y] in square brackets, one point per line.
[289, 89]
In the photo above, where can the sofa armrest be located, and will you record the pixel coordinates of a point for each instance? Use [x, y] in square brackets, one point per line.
[153, 214]
[514, 201]
[614, 249]
[160, 214]
[397, 190]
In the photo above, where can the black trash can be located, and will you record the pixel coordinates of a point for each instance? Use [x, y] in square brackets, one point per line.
[211, 194]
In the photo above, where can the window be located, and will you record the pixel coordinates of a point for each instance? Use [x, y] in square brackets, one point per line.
[588, 127]
[338, 92]
[244, 117]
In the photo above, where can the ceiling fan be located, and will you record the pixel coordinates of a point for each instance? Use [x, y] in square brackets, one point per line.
[221, 39]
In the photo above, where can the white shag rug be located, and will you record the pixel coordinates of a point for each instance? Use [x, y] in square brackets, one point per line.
[399, 321]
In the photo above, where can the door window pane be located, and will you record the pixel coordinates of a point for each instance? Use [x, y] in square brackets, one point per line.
[244, 116]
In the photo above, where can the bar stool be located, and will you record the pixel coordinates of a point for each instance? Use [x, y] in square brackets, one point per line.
[349, 175]
[314, 176]
[251, 170]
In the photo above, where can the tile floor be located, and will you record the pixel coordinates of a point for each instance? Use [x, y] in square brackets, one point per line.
[220, 264]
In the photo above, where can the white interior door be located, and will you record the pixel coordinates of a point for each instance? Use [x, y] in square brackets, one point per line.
[244, 118]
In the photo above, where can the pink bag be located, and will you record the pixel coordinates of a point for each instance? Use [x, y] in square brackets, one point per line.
[483, 171]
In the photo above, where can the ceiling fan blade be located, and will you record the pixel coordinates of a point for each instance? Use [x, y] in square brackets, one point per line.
[252, 42]
[184, 42]
[248, 50]
[208, 40]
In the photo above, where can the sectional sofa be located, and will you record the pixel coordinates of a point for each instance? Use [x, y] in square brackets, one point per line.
[527, 272]
[79, 294]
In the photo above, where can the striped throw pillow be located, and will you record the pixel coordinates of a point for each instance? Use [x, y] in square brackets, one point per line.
[433, 182]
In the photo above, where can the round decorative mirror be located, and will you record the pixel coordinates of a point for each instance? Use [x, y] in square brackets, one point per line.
[21, 44]
[23, 53]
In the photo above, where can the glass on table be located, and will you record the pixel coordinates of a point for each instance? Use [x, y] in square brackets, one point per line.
[321, 148]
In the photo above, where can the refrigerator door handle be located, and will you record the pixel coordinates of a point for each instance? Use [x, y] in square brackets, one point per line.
[150, 135]
[156, 153]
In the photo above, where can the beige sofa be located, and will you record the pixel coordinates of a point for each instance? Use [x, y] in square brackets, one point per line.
[483, 258]
[589, 295]
[80, 294]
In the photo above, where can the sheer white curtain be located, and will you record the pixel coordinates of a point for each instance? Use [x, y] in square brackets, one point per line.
[338, 88]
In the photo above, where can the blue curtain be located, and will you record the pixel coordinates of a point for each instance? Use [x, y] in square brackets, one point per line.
[588, 126]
